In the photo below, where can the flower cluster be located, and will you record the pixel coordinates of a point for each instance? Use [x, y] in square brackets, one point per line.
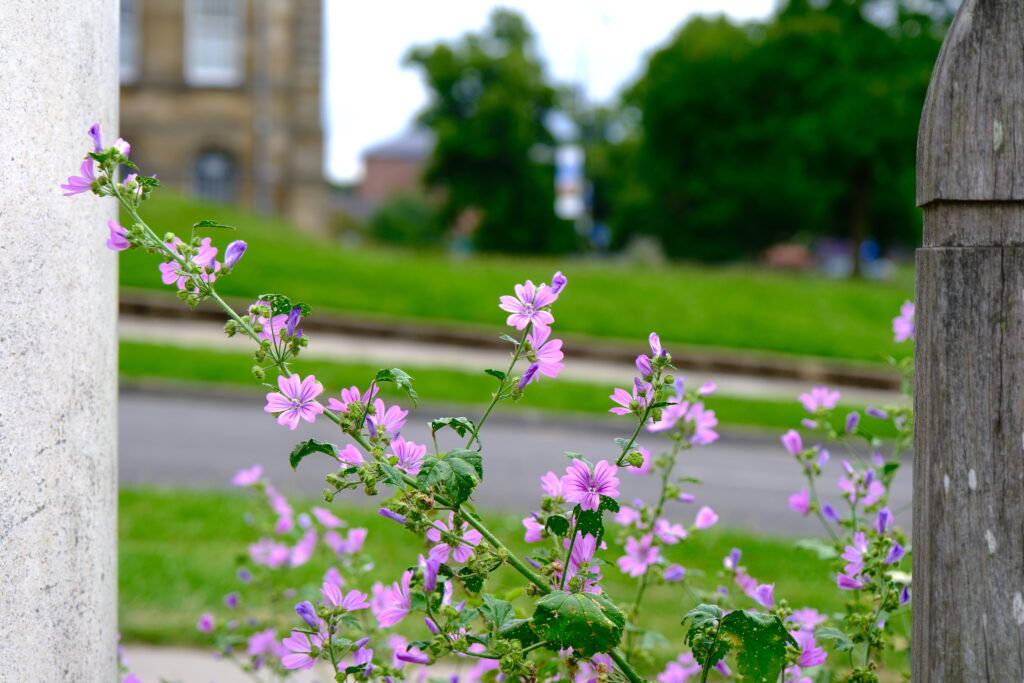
[561, 624]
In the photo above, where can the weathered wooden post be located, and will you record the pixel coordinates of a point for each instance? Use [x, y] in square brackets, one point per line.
[969, 406]
[58, 347]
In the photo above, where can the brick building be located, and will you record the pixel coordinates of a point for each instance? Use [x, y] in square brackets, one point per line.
[222, 100]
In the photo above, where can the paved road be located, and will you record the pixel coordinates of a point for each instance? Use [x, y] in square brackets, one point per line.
[199, 441]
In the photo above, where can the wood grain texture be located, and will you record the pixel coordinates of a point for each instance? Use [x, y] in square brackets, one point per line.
[973, 224]
[968, 609]
[971, 142]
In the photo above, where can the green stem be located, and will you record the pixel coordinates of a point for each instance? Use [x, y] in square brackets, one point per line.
[632, 439]
[501, 389]
[512, 559]
[706, 669]
[627, 670]
[568, 555]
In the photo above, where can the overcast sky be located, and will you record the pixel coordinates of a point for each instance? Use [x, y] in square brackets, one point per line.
[370, 96]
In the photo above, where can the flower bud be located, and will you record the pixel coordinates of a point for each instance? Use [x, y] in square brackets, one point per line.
[306, 610]
[230, 328]
[258, 373]
[122, 146]
[635, 459]
[234, 253]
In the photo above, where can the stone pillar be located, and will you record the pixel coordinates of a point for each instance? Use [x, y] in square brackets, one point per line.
[58, 347]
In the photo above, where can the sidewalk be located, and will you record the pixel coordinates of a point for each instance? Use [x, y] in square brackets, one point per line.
[415, 353]
[155, 664]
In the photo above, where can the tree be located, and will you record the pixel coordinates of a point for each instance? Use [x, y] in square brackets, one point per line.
[754, 133]
[489, 99]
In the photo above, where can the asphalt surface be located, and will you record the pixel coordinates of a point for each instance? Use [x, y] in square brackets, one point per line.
[199, 441]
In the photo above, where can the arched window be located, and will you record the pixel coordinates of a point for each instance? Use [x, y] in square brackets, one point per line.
[215, 176]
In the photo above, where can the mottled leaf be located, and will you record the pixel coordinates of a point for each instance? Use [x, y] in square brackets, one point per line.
[461, 425]
[457, 472]
[311, 446]
[557, 525]
[760, 641]
[587, 622]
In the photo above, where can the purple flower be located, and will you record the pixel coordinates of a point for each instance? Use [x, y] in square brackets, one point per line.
[205, 623]
[431, 625]
[270, 327]
[903, 324]
[703, 421]
[655, 342]
[643, 366]
[850, 583]
[327, 518]
[639, 555]
[852, 420]
[668, 532]
[528, 376]
[295, 400]
[883, 520]
[231, 600]
[391, 605]
[301, 647]
[670, 415]
[627, 516]
[463, 550]
[122, 146]
[877, 412]
[294, 316]
[384, 512]
[332, 575]
[545, 354]
[705, 518]
[77, 184]
[582, 486]
[306, 610]
[527, 306]
[413, 656]
[558, 282]
[247, 476]
[350, 455]
[551, 484]
[409, 455]
[351, 601]
[854, 554]
[385, 420]
[681, 670]
[350, 545]
[801, 502]
[830, 513]
[675, 572]
[792, 442]
[97, 137]
[234, 252]
[896, 553]
[534, 530]
[303, 550]
[764, 594]
[732, 560]
[118, 237]
[810, 653]
[807, 618]
[642, 394]
[244, 575]
[351, 395]
[580, 559]
[819, 397]
[429, 566]
[905, 595]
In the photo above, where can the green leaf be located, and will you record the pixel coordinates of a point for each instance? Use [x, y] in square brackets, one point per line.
[472, 581]
[587, 622]
[557, 525]
[391, 475]
[507, 338]
[311, 446]
[624, 443]
[760, 641]
[608, 503]
[457, 472]
[702, 615]
[521, 630]
[282, 305]
[496, 373]
[842, 642]
[211, 224]
[400, 378]
[498, 612]
[462, 425]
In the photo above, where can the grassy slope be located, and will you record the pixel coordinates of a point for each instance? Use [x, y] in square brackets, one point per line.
[742, 308]
[178, 553]
[169, 363]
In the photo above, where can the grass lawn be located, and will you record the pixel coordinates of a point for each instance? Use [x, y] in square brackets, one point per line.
[179, 549]
[743, 307]
[143, 361]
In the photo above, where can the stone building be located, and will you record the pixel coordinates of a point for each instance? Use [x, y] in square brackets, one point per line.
[222, 100]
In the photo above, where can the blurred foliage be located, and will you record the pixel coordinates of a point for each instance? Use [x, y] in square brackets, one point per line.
[489, 101]
[407, 220]
[806, 124]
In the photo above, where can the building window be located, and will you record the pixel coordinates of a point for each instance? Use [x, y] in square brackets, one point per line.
[129, 40]
[215, 176]
[213, 43]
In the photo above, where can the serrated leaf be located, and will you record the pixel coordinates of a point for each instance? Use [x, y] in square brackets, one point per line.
[702, 615]
[471, 581]
[557, 525]
[608, 503]
[496, 373]
[461, 425]
[391, 475]
[841, 641]
[589, 522]
[498, 612]
[823, 550]
[400, 378]
[211, 224]
[587, 622]
[457, 472]
[760, 640]
[311, 446]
